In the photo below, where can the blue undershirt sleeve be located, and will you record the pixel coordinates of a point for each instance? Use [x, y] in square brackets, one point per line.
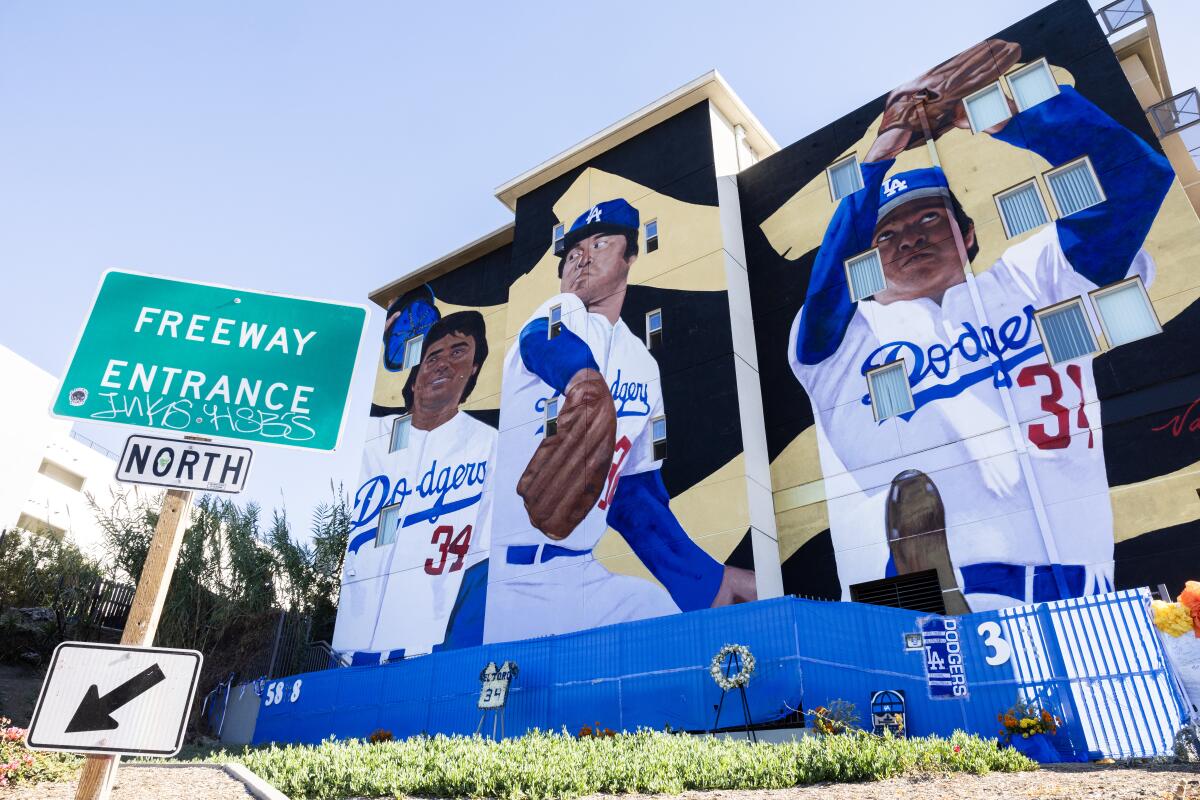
[641, 514]
[554, 360]
[828, 308]
[1102, 241]
[464, 628]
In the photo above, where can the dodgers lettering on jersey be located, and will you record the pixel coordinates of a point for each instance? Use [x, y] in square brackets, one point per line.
[434, 500]
[633, 379]
[958, 433]
[1007, 344]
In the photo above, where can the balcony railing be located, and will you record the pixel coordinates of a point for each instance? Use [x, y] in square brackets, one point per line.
[1177, 113]
[1121, 14]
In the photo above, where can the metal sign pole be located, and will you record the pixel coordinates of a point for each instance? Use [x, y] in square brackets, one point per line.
[96, 780]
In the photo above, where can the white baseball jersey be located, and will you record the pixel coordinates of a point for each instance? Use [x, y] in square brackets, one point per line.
[959, 434]
[570, 592]
[433, 500]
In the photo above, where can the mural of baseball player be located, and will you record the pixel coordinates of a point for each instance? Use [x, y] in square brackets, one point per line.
[944, 487]
[415, 573]
[579, 395]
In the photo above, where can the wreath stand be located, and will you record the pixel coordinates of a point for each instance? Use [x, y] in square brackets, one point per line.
[733, 666]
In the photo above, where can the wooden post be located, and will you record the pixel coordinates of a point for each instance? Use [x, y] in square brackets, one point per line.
[96, 780]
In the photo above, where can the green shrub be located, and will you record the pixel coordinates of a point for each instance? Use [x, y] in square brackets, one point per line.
[545, 765]
[19, 764]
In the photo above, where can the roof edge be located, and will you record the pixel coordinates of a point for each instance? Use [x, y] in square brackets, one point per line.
[447, 263]
[709, 86]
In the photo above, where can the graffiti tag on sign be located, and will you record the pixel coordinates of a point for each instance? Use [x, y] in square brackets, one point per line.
[213, 361]
[945, 672]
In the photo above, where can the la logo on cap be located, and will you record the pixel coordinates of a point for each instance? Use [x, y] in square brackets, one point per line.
[892, 186]
[593, 216]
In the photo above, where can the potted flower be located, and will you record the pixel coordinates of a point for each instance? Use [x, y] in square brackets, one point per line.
[1027, 728]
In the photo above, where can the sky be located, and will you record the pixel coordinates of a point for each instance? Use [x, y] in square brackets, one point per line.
[324, 149]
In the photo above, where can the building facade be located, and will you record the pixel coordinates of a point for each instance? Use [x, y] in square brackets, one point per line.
[936, 354]
[49, 470]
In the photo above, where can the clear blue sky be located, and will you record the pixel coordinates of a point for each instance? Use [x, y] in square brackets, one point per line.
[324, 149]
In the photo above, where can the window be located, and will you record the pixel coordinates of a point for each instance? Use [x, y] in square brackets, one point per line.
[1074, 187]
[844, 177]
[551, 426]
[1065, 331]
[555, 322]
[400, 430]
[654, 328]
[864, 273]
[890, 394]
[389, 524]
[61, 474]
[412, 352]
[40, 527]
[651, 236]
[556, 238]
[658, 435]
[1032, 84]
[987, 107]
[1125, 312]
[1022, 209]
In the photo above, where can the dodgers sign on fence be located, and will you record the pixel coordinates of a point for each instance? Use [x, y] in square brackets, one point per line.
[944, 669]
[195, 358]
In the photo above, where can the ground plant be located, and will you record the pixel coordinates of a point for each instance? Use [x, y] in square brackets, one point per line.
[19, 764]
[560, 765]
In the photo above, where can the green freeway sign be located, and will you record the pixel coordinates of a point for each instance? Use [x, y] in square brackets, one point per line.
[207, 360]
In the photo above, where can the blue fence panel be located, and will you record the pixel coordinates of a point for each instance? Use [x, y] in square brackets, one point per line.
[1095, 662]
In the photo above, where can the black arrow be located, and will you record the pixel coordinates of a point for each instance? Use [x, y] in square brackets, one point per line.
[93, 713]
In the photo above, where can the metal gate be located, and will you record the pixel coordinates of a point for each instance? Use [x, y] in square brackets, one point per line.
[1098, 663]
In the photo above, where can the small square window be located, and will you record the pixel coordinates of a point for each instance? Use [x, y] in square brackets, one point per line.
[845, 178]
[654, 328]
[555, 322]
[389, 525]
[556, 237]
[1074, 187]
[658, 436]
[400, 429]
[651, 236]
[864, 273]
[412, 352]
[987, 107]
[1066, 332]
[551, 424]
[1125, 312]
[889, 389]
[1022, 209]
[1032, 84]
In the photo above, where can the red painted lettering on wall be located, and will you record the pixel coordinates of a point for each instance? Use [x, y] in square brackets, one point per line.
[1182, 422]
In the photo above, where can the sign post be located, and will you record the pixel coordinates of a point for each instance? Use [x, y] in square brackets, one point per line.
[199, 360]
[95, 782]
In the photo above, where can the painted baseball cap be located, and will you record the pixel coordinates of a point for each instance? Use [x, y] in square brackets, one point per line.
[611, 216]
[915, 184]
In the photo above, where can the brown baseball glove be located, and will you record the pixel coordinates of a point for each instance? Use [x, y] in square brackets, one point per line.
[943, 88]
[566, 474]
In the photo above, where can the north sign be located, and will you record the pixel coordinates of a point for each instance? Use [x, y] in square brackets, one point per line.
[106, 699]
[213, 361]
[177, 464]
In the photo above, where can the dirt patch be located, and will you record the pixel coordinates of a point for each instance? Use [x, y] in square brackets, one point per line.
[147, 782]
[19, 687]
[1056, 782]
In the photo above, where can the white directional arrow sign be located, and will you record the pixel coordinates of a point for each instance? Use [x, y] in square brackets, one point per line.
[100, 698]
